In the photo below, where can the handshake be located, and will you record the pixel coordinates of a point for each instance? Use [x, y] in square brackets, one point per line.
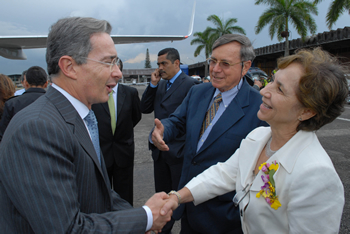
[162, 206]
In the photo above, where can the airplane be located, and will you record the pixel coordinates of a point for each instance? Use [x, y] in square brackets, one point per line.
[11, 47]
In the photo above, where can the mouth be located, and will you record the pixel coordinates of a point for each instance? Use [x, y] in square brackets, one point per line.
[217, 78]
[110, 87]
[266, 106]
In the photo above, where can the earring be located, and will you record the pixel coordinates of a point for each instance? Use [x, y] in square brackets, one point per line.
[300, 119]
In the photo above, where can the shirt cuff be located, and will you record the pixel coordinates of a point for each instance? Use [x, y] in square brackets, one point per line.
[152, 86]
[149, 217]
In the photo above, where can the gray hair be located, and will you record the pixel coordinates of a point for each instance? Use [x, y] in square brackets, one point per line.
[71, 36]
[247, 50]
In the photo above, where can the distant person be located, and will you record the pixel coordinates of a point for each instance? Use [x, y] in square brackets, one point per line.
[210, 137]
[117, 136]
[23, 78]
[53, 178]
[166, 91]
[285, 180]
[7, 90]
[34, 84]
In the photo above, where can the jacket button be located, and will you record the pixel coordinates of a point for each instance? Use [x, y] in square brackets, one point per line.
[194, 162]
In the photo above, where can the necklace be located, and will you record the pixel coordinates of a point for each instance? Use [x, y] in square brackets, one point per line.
[268, 150]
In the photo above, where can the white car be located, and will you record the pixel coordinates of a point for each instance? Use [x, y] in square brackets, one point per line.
[196, 77]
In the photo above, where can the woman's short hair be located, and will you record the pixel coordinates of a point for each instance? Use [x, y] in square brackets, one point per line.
[323, 87]
[7, 90]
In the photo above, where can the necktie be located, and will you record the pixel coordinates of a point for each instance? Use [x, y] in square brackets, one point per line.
[111, 107]
[91, 123]
[211, 113]
[168, 84]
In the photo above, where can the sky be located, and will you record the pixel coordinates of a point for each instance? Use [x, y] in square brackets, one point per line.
[139, 17]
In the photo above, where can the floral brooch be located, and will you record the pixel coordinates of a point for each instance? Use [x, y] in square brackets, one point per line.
[268, 191]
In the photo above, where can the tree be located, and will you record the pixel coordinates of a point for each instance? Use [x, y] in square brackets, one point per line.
[281, 12]
[203, 41]
[148, 61]
[336, 9]
[223, 27]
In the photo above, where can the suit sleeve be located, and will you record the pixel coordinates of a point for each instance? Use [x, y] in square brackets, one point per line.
[5, 119]
[40, 179]
[215, 181]
[136, 110]
[147, 100]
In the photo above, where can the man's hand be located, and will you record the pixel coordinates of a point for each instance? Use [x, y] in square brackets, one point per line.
[171, 204]
[155, 77]
[155, 203]
[157, 136]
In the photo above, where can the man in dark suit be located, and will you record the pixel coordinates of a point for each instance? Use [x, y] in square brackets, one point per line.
[163, 97]
[213, 140]
[35, 85]
[117, 138]
[53, 177]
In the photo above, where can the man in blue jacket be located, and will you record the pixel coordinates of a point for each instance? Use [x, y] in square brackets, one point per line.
[215, 117]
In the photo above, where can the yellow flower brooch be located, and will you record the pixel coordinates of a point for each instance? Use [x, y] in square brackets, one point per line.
[268, 190]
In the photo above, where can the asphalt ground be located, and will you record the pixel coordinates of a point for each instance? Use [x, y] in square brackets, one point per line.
[334, 137]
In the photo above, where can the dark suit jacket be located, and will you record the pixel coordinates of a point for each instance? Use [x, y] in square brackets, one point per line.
[163, 104]
[119, 147]
[217, 215]
[51, 180]
[17, 103]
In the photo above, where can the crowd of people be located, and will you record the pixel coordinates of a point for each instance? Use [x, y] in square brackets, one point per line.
[227, 157]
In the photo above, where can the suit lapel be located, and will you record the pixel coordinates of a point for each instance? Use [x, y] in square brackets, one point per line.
[231, 116]
[71, 117]
[120, 101]
[177, 83]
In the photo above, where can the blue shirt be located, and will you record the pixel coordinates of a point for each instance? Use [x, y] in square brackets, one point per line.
[227, 98]
[172, 80]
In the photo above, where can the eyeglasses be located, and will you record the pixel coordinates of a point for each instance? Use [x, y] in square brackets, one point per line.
[223, 64]
[240, 195]
[114, 62]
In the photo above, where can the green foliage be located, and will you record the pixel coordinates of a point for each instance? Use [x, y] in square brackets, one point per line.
[282, 12]
[147, 61]
[335, 10]
[205, 39]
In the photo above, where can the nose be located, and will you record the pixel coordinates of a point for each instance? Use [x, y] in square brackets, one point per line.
[116, 73]
[266, 91]
[216, 67]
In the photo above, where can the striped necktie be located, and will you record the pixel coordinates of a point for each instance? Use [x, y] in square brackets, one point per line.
[91, 123]
[211, 113]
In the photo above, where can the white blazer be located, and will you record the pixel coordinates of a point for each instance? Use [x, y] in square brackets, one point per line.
[307, 186]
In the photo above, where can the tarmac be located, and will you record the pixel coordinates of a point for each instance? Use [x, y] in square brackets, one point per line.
[334, 137]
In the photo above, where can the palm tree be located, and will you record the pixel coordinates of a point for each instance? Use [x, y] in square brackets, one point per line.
[336, 9]
[281, 12]
[223, 27]
[204, 41]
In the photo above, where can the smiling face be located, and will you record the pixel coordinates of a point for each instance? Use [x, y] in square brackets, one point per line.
[96, 79]
[167, 69]
[280, 107]
[222, 78]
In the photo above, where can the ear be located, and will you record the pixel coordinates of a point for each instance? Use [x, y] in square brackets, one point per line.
[307, 114]
[177, 62]
[26, 85]
[246, 66]
[45, 85]
[68, 66]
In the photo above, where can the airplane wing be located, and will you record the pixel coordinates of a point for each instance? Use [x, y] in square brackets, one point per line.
[11, 47]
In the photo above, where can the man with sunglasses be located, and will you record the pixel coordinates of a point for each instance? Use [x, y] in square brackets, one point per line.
[215, 117]
[53, 178]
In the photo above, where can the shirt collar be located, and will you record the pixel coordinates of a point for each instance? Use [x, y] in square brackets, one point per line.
[172, 80]
[80, 107]
[229, 95]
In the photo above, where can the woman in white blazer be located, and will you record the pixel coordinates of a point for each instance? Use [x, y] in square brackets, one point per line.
[285, 181]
